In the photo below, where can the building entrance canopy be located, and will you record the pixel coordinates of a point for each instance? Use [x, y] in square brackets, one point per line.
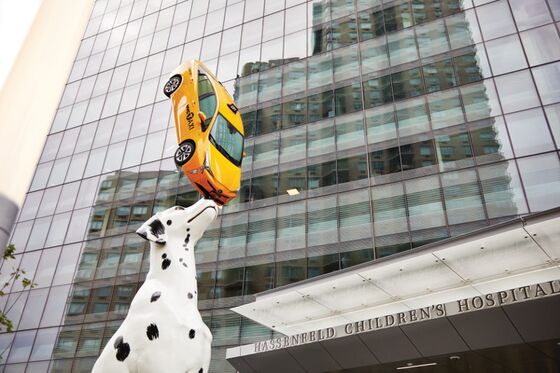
[487, 274]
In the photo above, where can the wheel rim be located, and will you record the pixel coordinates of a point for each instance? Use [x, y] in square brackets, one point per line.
[172, 85]
[183, 153]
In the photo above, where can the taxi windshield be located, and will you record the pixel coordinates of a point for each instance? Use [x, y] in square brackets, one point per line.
[227, 140]
[206, 98]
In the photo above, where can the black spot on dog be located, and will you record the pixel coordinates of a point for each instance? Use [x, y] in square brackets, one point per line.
[185, 265]
[152, 332]
[169, 222]
[191, 333]
[118, 342]
[188, 229]
[187, 239]
[165, 264]
[189, 295]
[164, 256]
[201, 370]
[123, 349]
[157, 228]
[155, 296]
[180, 259]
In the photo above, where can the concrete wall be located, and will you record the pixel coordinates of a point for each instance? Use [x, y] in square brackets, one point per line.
[30, 96]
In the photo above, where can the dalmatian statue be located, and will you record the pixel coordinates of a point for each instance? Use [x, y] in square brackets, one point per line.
[163, 330]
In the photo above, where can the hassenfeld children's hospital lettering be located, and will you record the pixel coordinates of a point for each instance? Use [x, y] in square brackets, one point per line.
[475, 303]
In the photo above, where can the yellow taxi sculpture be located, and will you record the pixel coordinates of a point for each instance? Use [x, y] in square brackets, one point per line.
[209, 131]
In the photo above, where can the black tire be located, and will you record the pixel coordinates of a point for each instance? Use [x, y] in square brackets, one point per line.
[172, 84]
[184, 152]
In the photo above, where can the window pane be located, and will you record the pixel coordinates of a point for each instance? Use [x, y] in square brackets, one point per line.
[371, 23]
[542, 45]
[541, 178]
[490, 140]
[354, 215]
[320, 106]
[389, 209]
[374, 55]
[348, 99]
[402, 47]
[432, 39]
[412, 117]
[258, 278]
[492, 26]
[506, 55]
[424, 203]
[529, 132]
[547, 78]
[345, 63]
[321, 138]
[517, 91]
[378, 91]
[503, 194]
[463, 200]
[445, 109]
[381, 124]
[439, 76]
[530, 14]
[407, 84]
[261, 231]
[321, 175]
[291, 226]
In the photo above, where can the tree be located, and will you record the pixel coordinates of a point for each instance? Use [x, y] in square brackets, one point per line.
[17, 274]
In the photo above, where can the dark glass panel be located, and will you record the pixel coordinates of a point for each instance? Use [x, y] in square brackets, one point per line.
[352, 258]
[258, 278]
[321, 175]
[377, 91]
[292, 179]
[319, 265]
[439, 76]
[268, 119]
[294, 113]
[407, 84]
[397, 17]
[426, 10]
[348, 99]
[206, 282]
[467, 69]
[320, 106]
[384, 161]
[290, 271]
[229, 282]
[344, 32]
[263, 187]
[418, 154]
[371, 24]
[451, 6]
[352, 168]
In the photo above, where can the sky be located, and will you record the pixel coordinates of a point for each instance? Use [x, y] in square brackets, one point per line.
[16, 17]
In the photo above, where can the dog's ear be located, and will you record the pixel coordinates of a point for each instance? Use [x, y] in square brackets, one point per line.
[153, 230]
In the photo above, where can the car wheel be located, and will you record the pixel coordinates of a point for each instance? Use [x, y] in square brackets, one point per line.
[172, 85]
[184, 152]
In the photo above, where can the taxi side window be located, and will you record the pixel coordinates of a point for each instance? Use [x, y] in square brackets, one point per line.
[206, 99]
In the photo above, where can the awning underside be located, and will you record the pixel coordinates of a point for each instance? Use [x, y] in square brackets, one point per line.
[512, 255]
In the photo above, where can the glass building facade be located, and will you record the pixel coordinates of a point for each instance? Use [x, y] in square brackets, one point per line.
[391, 123]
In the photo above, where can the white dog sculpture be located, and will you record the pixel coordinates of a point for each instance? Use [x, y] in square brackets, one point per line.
[163, 330]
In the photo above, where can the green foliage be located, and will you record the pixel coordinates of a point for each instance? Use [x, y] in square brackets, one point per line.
[17, 275]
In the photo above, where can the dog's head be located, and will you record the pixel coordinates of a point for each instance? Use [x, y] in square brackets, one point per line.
[180, 223]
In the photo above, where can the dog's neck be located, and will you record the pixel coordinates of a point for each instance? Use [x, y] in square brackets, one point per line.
[179, 264]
